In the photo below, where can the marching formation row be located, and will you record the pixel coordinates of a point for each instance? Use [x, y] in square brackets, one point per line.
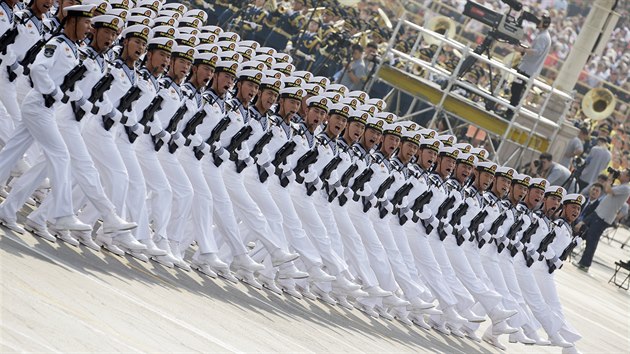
[173, 139]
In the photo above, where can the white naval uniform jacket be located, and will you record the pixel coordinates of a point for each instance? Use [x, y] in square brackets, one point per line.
[53, 63]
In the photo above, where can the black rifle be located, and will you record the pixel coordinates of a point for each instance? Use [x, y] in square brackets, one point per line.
[401, 193]
[380, 192]
[417, 206]
[147, 116]
[445, 207]
[123, 106]
[32, 52]
[475, 222]
[493, 228]
[281, 155]
[544, 244]
[69, 80]
[511, 235]
[96, 95]
[456, 218]
[325, 175]
[344, 180]
[358, 184]
[189, 129]
[256, 150]
[215, 135]
[302, 165]
[7, 39]
[237, 140]
[171, 127]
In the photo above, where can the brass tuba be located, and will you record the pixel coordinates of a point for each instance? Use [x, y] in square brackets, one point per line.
[442, 25]
[598, 103]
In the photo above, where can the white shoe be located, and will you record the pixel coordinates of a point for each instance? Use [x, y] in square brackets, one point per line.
[502, 328]
[471, 317]
[317, 274]
[269, 284]
[394, 301]
[113, 223]
[323, 296]
[368, 310]
[376, 291]
[125, 240]
[291, 273]
[39, 195]
[439, 326]
[494, 341]
[212, 260]
[85, 238]
[12, 225]
[182, 264]
[20, 167]
[357, 294]
[497, 314]
[452, 316]
[305, 291]
[39, 230]
[152, 249]
[248, 278]
[279, 257]
[108, 243]
[418, 304]
[455, 331]
[534, 336]
[71, 223]
[245, 263]
[68, 238]
[343, 285]
[342, 301]
[419, 321]
[558, 341]
[520, 337]
[167, 260]
[401, 316]
[203, 268]
[470, 334]
[292, 291]
[139, 256]
[383, 313]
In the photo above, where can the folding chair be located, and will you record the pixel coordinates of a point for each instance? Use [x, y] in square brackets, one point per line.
[625, 283]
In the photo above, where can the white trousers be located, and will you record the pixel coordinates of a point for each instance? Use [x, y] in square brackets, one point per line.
[547, 286]
[315, 228]
[549, 320]
[111, 167]
[430, 269]
[224, 218]
[200, 220]
[85, 175]
[159, 193]
[182, 195]
[354, 252]
[375, 250]
[409, 286]
[39, 124]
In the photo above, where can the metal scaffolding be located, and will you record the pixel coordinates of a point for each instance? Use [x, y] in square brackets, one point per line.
[400, 71]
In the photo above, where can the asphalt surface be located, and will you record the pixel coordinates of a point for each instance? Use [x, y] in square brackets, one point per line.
[58, 298]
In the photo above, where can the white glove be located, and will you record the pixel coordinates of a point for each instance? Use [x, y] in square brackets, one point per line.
[465, 233]
[519, 246]
[448, 228]
[195, 140]
[56, 94]
[166, 137]
[74, 95]
[366, 191]
[263, 158]
[243, 155]
[311, 176]
[557, 262]
[486, 236]
[114, 115]
[204, 148]
[404, 202]
[216, 146]
[387, 205]
[309, 57]
[408, 213]
[131, 121]
[103, 107]
[178, 139]
[424, 214]
[499, 234]
[222, 153]
[154, 128]
[84, 104]
[550, 253]
[285, 167]
[333, 179]
[269, 168]
[290, 175]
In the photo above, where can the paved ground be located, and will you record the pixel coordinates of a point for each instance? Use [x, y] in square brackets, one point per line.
[57, 298]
